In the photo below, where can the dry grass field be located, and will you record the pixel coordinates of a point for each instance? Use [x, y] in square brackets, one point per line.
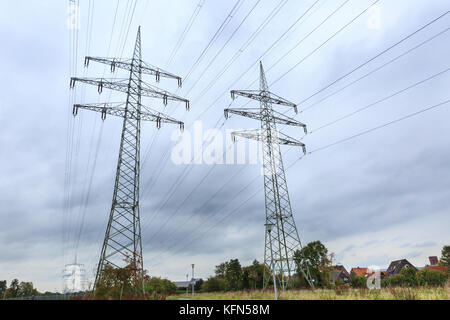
[442, 293]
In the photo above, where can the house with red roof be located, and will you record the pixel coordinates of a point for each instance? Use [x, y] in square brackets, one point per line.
[360, 271]
[434, 265]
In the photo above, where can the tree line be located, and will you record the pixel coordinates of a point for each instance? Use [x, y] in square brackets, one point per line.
[125, 284]
[231, 276]
[17, 289]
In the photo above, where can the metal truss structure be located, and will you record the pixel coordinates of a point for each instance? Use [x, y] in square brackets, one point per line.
[123, 240]
[284, 236]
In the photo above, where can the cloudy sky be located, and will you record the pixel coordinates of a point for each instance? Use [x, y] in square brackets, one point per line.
[375, 198]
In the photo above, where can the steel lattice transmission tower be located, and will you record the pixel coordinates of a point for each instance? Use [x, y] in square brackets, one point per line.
[123, 234]
[284, 236]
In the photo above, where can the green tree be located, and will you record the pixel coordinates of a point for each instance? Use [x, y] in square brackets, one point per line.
[221, 269]
[233, 275]
[26, 289]
[121, 283]
[314, 256]
[13, 289]
[198, 285]
[253, 276]
[3, 288]
[445, 256]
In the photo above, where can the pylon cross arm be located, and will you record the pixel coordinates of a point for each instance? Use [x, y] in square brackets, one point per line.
[119, 110]
[122, 86]
[152, 91]
[264, 96]
[255, 113]
[257, 135]
[126, 64]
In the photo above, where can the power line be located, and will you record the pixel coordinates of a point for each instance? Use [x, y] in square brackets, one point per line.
[265, 22]
[234, 211]
[268, 50]
[187, 244]
[380, 127]
[265, 52]
[128, 30]
[80, 216]
[381, 100]
[329, 16]
[224, 46]
[174, 213]
[189, 218]
[244, 47]
[198, 78]
[87, 197]
[227, 20]
[174, 187]
[373, 58]
[217, 211]
[378, 68]
[73, 48]
[74, 31]
[185, 32]
[323, 44]
[112, 33]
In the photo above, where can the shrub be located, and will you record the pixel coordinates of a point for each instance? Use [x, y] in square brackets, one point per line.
[214, 284]
[406, 278]
[159, 287]
[427, 277]
[358, 281]
[409, 277]
[395, 281]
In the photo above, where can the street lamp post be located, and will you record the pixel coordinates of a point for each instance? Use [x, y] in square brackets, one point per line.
[269, 228]
[193, 279]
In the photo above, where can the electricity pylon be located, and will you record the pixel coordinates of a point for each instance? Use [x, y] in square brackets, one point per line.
[285, 237]
[123, 234]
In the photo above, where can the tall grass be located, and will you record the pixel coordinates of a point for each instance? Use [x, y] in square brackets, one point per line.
[419, 293]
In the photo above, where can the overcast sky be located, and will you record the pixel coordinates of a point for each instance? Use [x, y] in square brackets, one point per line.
[373, 199]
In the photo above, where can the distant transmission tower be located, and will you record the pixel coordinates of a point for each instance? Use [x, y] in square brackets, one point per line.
[284, 236]
[123, 234]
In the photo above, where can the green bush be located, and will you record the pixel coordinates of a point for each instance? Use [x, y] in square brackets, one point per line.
[406, 278]
[427, 277]
[214, 284]
[393, 281]
[409, 277]
[358, 281]
[158, 286]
